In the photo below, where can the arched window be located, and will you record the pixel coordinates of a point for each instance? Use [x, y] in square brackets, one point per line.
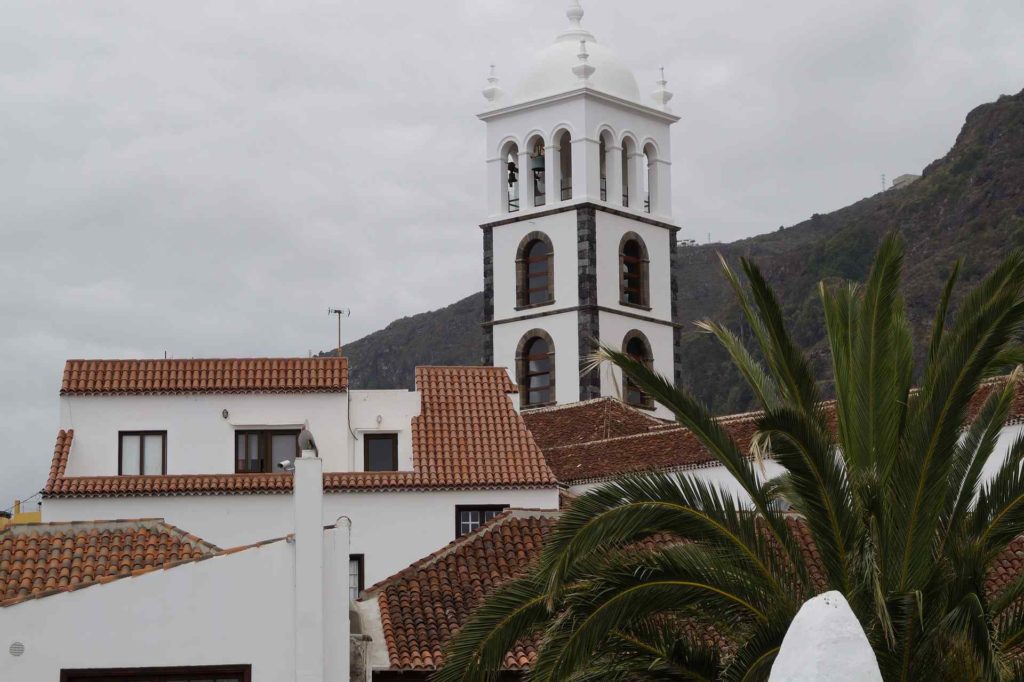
[634, 289]
[602, 155]
[535, 271]
[564, 142]
[636, 346]
[628, 181]
[535, 358]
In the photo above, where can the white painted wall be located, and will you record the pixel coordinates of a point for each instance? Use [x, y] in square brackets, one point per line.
[199, 439]
[564, 332]
[1007, 437]
[610, 229]
[613, 331]
[231, 609]
[392, 529]
[382, 412]
[561, 229]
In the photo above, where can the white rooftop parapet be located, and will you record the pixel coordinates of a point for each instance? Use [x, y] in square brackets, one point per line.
[825, 643]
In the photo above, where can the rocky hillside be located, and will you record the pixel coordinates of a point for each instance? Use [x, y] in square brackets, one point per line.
[969, 204]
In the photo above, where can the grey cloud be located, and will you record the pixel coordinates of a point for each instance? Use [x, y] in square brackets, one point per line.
[206, 178]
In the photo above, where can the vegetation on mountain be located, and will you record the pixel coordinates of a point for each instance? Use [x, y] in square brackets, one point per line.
[667, 576]
[969, 203]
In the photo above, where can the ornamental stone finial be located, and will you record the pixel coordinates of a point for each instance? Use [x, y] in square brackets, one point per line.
[583, 70]
[493, 92]
[575, 13]
[662, 95]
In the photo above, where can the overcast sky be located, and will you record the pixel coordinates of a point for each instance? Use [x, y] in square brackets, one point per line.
[206, 178]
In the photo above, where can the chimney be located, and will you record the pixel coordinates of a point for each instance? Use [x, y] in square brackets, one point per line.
[307, 494]
[17, 507]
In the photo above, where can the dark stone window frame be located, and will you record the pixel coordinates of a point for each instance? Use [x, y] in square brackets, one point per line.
[494, 509]
[645, 402]
[370, 437]
[522, 366]
[643, 263]
[523, 274]
[142, 451]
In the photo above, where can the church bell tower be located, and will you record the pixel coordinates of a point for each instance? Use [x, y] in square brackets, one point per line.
[579, 240]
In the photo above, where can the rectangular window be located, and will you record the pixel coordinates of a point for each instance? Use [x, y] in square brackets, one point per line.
[380, 452]
[142, 453]
[355, 575]
[261, 451]
[469, 518]
[216, 673]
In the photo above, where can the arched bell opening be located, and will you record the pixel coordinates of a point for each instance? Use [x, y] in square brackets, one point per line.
[650, 189]
[536, 179]
[564, 143]
[636, 346]
[510, 179]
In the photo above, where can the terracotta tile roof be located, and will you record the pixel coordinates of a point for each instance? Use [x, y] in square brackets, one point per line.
[467, 435]
[422, 606]
[666, 446]
[661, 449]
[39, 560]
[246, 375]
[586, 421]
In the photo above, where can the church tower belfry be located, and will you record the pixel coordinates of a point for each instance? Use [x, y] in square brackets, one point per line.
[579, 240]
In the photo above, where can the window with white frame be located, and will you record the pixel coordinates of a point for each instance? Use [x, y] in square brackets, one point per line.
[355, 575]
[470, 517]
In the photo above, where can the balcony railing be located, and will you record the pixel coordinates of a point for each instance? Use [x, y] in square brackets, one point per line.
[604, 189]
[566, 188]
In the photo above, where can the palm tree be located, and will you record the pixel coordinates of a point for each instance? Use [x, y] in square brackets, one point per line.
[665, 576]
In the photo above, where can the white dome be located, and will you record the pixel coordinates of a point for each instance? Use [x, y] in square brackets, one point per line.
[551, 72]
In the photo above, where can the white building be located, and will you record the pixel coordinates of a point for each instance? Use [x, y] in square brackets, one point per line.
[579, 238]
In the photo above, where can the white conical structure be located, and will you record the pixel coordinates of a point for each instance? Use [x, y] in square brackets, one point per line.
[825, 643]
[493, 92]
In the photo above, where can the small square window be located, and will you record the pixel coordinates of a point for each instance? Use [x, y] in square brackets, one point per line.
[469, 518]
[142, 453]
[380, 452]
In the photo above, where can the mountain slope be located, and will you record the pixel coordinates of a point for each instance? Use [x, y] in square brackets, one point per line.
[970, 204]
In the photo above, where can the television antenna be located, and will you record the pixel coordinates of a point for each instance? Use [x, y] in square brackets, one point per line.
[340, 313]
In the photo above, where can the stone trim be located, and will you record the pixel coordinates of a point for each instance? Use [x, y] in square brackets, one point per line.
[677, 328]
[587, 320]
[579, 308]
[570, 206]
[487, 357]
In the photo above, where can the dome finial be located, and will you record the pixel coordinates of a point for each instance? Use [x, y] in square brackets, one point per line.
[493, 92]
[575, 13]
[583, 70]
[662, 95]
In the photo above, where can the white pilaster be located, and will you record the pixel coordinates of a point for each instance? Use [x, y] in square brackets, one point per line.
[613, 174]
[494, 180]
[309, 568]
[552, 174]
[526, 197]
[637, 168]
[586, 169]
[337, 630]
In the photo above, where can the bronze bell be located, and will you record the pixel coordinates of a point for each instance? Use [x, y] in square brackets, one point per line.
[513, 173]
